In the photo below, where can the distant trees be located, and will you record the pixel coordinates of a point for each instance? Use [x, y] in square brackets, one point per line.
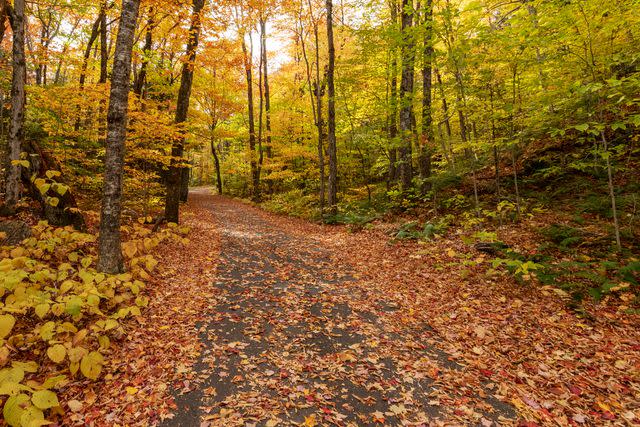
[324, 105]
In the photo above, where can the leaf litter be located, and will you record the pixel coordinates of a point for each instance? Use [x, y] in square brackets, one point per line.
[266, 320]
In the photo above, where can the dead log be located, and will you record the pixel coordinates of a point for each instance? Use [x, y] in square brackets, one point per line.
[66, 211]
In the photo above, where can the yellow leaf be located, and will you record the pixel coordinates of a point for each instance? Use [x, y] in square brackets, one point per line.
[42, 310]
[57, 353]
[91, 365]
[76, 354]
[310, 421]
[130, 249]
[7, 322]
[131, 390]
[45, 399]
[14, 408]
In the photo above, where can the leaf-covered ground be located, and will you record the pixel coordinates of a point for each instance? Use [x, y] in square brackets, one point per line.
[265, 320]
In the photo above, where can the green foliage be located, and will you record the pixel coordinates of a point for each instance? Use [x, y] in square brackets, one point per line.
[294, 202]
[524, 270]
[563, 235]
[414, 231]
[58, 310]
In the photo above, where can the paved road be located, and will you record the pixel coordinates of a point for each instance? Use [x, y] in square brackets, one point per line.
[291, 341]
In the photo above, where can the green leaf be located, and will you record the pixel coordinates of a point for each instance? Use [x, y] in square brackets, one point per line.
[7, 323]
[91, 365]
[45, 399]
[74, 305]
[53, 201]
[582, 127]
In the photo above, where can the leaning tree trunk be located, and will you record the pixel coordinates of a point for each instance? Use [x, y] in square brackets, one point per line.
[174, 178]
[104, 59]
[319, 89]
[331, 115]
[110, 258]
[406, 96]
[138, 86]
[18, 101]
[95, 31]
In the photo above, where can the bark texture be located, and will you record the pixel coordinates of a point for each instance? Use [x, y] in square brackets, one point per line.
[427, 141]
[174, 177]
[405, 167]
[392, 120]
[110, 258]
[255, 171]
[331, 115]
[18, 101]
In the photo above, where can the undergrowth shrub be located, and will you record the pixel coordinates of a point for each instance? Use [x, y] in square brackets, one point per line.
[58, 315]
[294, 202]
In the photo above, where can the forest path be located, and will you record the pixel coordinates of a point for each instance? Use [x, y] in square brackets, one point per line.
[292, 341]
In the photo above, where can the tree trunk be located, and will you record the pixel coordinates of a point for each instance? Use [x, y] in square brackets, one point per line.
[184, 183]
[104, 59]
[104, 52]
[95, 31]
[331, 115]
[146, 50]
[18, 103]
[267, 92]
[406, 96]
[612, 194]
[393, 99]
[261, 103]
[110, 258]
[174, 178]
[427, 147]
[316, 105]
[216, 161]
[255, 173]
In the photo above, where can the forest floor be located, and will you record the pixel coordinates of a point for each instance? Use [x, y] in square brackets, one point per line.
[269, 320]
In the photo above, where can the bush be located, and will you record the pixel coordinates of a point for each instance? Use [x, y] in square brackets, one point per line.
[294, 202]
[563, 235]
[59, 315]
